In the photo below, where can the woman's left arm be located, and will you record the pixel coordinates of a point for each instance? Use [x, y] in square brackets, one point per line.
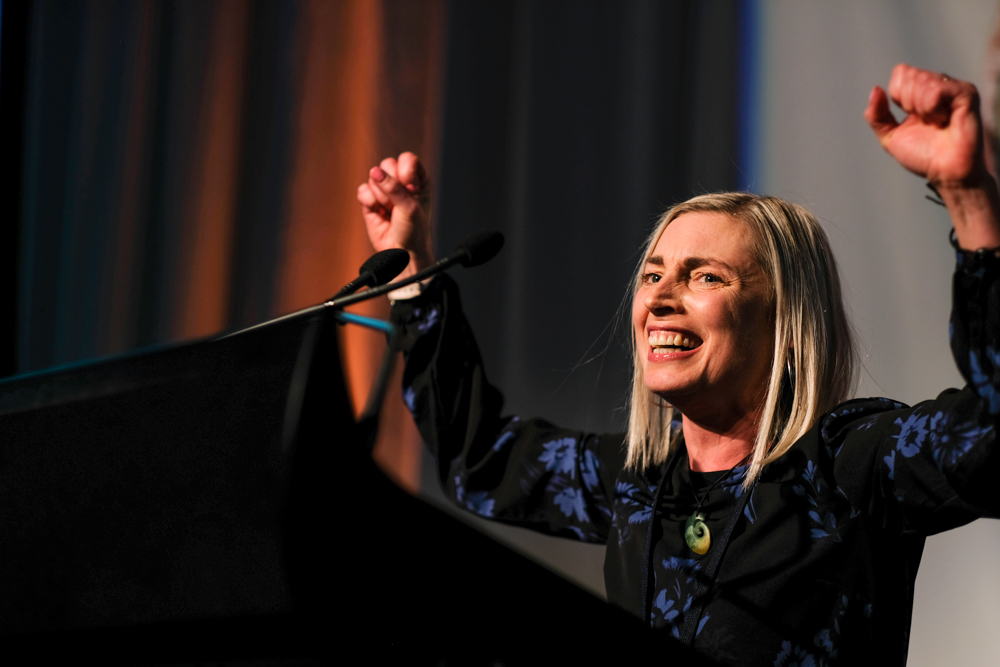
[941, 139]
[939, 459]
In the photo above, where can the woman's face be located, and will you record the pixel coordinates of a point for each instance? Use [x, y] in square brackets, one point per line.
[703, 318]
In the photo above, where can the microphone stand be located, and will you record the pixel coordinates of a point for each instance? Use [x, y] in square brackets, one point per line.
[368, 421]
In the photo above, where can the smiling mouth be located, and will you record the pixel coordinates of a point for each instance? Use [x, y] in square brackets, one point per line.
[662, 342]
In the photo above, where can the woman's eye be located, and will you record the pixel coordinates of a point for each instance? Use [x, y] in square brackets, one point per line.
[651, 278]
[709, 278]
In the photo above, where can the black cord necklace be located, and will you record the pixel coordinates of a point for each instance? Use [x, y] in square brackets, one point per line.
[696, 532]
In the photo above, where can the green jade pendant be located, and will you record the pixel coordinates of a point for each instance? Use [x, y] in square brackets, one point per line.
[697, 535]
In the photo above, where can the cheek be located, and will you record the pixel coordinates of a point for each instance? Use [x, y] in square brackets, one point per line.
[733, 327]
[639, 313]
[754, 324]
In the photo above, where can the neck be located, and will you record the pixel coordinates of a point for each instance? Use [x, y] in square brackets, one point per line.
[711, 449]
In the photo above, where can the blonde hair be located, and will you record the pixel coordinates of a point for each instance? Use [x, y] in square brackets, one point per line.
[815, 361]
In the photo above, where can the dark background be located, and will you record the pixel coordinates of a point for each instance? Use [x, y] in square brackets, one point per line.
[571, 127]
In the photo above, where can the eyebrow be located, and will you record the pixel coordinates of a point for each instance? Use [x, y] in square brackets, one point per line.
[691, 262]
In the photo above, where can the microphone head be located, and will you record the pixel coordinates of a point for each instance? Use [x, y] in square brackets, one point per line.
[384, 266]
[480, 248]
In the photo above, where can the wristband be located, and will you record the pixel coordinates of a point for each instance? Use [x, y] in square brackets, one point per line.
[953, 239]
[408, 292]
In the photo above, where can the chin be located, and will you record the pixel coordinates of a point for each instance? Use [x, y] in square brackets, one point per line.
[669, 392]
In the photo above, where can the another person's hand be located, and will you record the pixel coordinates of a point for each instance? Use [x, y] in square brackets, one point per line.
[395, 203]
[941, 140]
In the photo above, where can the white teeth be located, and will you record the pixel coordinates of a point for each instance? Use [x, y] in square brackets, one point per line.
[664, 339]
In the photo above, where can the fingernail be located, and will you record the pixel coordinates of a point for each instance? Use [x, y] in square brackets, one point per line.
[377, 174]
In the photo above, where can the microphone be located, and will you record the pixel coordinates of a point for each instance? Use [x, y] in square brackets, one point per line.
[473, 251]
[477, 249]
[377, 270]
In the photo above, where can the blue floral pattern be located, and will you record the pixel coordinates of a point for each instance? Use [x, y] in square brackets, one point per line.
[826, 642]
[986, 384]
[625, 494]
[734, 485]
[890, 462]
[675, 594]
[480, 503]
[824, 515]
[794, 656]
[912, 434]
[559, 455]
[427, 319]
[945, 435]
[571, 502]
[505, 437]
[952, 438]
[589, 470]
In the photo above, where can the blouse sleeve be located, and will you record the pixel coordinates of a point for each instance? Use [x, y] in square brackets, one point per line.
[936, 466]
[525, 472]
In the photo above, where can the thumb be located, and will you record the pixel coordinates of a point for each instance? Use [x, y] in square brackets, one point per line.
[410, 172]
[879, 116]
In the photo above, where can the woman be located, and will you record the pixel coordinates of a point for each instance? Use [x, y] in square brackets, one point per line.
[749, 510]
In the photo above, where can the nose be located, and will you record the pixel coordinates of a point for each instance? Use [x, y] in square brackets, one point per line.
[662, 298]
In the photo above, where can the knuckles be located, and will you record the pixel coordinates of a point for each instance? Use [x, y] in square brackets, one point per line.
[923, 92]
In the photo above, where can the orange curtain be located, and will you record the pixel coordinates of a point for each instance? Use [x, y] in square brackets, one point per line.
[369, 89]
[153, 126]
[369, 75]
[203, 289]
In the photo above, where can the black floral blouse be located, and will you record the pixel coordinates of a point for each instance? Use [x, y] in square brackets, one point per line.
[820, 565]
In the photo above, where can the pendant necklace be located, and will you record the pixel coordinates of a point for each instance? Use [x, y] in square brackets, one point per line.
[696, 533]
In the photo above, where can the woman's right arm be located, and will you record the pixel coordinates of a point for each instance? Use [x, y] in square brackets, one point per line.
[524, 472]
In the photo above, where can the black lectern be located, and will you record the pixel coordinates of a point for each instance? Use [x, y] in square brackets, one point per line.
[215, 501]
